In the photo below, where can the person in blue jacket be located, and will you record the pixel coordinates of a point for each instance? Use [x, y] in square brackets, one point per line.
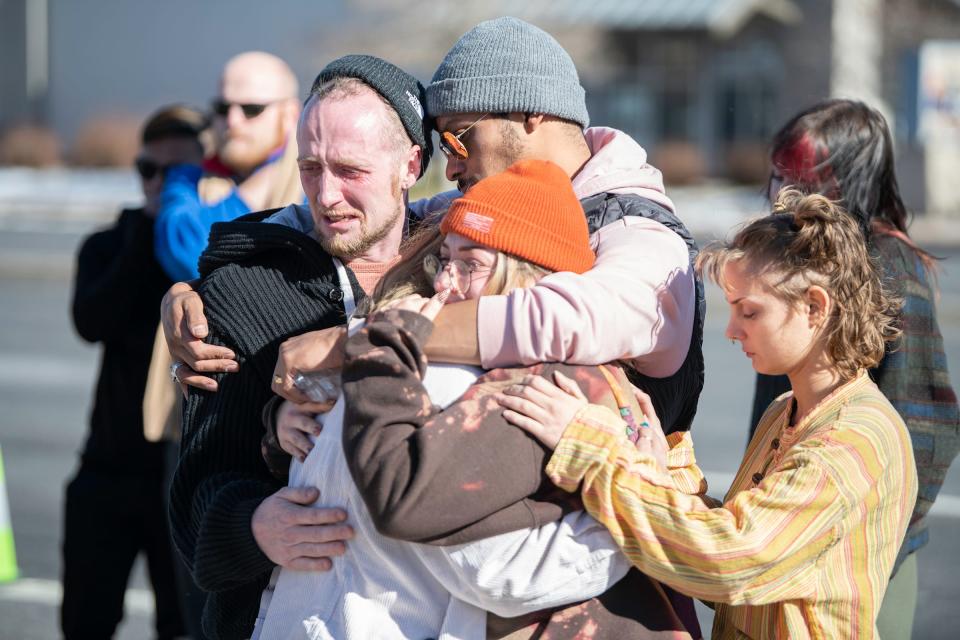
[253, 167]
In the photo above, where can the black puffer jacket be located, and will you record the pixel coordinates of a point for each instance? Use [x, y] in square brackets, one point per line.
[674, 397]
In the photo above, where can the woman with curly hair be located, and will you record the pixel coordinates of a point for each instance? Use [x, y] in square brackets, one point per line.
[804, 541]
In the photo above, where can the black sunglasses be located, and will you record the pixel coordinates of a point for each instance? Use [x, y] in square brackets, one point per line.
[148, 169]
[222, 108]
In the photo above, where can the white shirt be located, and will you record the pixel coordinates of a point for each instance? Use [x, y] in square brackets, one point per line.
[385, 588]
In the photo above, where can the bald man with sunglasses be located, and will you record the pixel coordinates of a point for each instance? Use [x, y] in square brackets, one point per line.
[253, 120]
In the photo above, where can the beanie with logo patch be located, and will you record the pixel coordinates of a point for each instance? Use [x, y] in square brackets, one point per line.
[529, 211]
[404, 93]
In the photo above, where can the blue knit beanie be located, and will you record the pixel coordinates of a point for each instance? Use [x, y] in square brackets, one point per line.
[507, 65]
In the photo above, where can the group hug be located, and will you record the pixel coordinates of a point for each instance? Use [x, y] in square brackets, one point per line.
[471, 416]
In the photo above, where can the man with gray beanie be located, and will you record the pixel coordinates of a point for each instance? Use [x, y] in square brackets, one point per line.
[508, 91]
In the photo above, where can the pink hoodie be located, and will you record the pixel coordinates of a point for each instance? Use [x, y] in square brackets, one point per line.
[635, 304]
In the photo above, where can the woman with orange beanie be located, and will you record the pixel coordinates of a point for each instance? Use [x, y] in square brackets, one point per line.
[462, 480]
[463, 474]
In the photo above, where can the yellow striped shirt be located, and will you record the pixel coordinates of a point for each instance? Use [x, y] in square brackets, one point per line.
[804, 542]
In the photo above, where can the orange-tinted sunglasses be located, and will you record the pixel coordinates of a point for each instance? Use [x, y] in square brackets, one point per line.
[451, 145]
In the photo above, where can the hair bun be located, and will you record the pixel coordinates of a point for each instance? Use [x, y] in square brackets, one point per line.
[808, 210]
[822, 229]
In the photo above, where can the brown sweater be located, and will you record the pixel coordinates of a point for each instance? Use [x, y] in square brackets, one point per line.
[466, 474]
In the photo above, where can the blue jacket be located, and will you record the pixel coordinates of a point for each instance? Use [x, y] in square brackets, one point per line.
[183, 225]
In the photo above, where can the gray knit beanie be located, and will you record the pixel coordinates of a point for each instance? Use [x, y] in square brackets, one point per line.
[508, 65]
[404, 93]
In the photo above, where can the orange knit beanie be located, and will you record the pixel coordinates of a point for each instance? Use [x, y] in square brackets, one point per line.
[529, 211]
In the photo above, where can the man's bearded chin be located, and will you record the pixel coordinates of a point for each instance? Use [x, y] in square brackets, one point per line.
[350, 248]
[241, 158]
[243, 155]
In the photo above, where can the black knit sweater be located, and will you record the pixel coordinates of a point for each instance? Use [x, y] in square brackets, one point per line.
[261, 284]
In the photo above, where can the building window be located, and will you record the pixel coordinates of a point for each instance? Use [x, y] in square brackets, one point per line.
[745, 109]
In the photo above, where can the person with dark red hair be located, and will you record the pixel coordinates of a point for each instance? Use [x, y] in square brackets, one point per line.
[843, 150]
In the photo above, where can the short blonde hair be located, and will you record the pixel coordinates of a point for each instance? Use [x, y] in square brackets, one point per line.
[342, 87]
[809, 240]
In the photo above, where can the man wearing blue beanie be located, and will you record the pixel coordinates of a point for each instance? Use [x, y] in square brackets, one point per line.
[271, 275]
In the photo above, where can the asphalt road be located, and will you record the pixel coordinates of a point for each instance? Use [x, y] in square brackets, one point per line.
[46, 382]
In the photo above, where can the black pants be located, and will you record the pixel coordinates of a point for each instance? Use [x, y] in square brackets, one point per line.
[110, 518]
[192, 599]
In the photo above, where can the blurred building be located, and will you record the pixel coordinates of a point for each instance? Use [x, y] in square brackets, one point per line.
[701, 83]
[24, 68]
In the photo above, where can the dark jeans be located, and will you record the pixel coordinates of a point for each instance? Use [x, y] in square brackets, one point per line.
[110, 518]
